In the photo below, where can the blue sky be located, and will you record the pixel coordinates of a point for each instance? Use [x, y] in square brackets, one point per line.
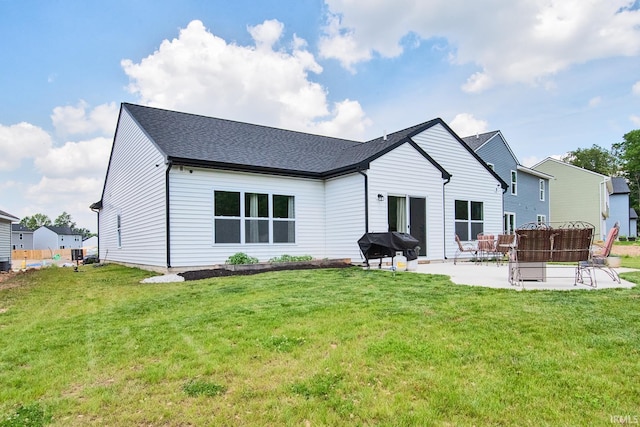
[552, 75]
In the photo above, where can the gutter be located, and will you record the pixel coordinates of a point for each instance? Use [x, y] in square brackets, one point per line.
[169, 164]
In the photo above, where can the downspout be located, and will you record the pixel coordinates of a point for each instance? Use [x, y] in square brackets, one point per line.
[444, 218]
[366, 201]
[98, 215]
[166, 203]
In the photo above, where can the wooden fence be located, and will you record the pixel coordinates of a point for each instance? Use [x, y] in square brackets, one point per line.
[35, 254]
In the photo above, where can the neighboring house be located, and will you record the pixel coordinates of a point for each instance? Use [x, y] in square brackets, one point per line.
[184, 191]
[527, 199]
[619, 206]
[577, 194]
[21, 237]
[91, 242]
[5, 240]
[50, 237]
[633, 223]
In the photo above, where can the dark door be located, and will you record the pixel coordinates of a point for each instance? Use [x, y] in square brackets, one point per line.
[418, 222]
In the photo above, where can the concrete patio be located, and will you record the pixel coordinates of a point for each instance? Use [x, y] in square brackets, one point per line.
[559, 277]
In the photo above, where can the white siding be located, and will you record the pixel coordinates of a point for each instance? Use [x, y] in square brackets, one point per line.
[135, 190]
[345, 216]
[470, 181]
[43, 238]
[5, 240]
[405, 172]
[191, 216]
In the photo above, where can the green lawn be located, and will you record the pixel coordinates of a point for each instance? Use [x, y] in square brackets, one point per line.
[312, 347]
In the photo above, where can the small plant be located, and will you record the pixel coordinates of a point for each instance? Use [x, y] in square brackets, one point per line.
[291, 258]
[27, 416]
[622, 238]
[241, 258]
[203, 388]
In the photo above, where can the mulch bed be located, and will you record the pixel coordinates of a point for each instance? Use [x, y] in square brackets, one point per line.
[255, 269]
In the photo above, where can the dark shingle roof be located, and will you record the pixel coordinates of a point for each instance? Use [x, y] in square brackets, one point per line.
[619, 185]
[632, 214]
[207, 141]
[20, 227]
[476, 141]
[67, 231]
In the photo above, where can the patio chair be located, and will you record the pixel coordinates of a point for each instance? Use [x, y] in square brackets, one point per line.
[486, 246]
[504, 244]
[462, 248]
[598, 260]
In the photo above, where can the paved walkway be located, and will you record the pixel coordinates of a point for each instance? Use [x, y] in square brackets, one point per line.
[560, 278]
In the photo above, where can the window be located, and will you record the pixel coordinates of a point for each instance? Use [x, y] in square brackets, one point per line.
[119, 230]
[20, 236]
[284, 230]
[541, 190]
[492, 167]
[469, 219]
[256, 212]
[509, 222]
[226, 213]
[541, 219]
[514, 183]
[250, 218]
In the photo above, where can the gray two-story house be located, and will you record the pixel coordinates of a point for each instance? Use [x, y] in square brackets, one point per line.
[21, 237]
[527, 198]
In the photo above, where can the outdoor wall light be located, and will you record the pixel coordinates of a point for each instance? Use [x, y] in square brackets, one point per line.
[380, 197]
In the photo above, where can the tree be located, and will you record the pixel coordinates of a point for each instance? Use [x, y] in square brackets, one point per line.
[35, 221]
[596, 159]
[629, 152]
[64, 220]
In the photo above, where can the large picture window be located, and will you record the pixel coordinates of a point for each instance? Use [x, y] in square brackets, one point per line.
[253, 218]
[469, 218]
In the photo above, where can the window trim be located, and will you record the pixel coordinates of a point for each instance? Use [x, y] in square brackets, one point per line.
[540, 217]
[243, 218]
[514, 182]
[469, 221]
[541, 190]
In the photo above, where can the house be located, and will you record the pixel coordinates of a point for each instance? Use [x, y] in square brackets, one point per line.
[577, 194]
[21, 237]
[527, 199]
[633, 223]
[619, 210]
[184, 191]
[50, 237]
[5, 240]
[90, 242]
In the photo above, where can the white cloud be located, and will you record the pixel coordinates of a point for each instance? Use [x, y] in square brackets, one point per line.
[635, 119]
[511, 42]
[84, 158]
[635, 89]
[21, 141]
[202, 73]
[70, 120]
[595, 101]
[465, 124]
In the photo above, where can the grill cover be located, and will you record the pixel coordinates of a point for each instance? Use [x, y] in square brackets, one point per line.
[382, 245]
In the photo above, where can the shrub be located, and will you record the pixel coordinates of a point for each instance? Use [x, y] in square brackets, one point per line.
[241, 258]
[622, 238]
[27, 416]
[291, 258]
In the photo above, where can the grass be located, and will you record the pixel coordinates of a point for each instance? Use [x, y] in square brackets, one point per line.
[317, 347]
